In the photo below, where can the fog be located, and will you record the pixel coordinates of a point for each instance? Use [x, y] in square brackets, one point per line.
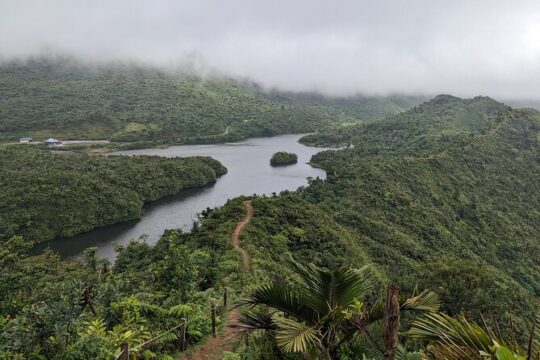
[335, 47]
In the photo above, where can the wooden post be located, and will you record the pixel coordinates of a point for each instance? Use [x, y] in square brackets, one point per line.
[124, 348]
[182, 336]
[225, 299]
[213, 320]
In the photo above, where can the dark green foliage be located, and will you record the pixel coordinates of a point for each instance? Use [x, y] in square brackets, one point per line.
[46, 195]
[282, 158]
[55, 309]
[449, 201]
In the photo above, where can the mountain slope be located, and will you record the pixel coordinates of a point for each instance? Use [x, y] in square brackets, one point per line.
[437, 123]
[68, 99]
[474, 206]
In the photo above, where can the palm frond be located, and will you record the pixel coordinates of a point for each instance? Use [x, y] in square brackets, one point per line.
[285, 298]
[353, 284]
[533, 348]
[257, 318]
[294, 336]
[425, 301]
[457, 338]
[325, 289]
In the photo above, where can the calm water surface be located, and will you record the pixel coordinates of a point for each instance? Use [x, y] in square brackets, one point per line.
[249, 172]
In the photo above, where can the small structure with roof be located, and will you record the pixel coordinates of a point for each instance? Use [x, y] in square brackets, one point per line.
[53, 141]
[25, 140]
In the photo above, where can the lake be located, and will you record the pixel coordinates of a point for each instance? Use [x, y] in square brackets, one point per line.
[249, 172]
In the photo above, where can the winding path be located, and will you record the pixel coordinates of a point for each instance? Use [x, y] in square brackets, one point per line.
[235, 237]
[213, 349]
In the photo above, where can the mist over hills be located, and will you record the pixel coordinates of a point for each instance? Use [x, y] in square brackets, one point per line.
[66, 98]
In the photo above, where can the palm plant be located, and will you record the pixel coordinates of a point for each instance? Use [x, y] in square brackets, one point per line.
[323, 310]
[458, 338]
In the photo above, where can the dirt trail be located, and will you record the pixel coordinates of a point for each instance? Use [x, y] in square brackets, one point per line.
[225, 341]
[235, 237]
[213, 349]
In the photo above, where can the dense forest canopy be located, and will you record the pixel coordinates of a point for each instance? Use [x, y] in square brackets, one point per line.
[68, 99]
[50, 194]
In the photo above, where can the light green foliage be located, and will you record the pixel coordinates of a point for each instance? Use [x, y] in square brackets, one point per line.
[324, 312]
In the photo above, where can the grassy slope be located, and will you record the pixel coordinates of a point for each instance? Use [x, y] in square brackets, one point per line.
[67, 99]
[46, 195]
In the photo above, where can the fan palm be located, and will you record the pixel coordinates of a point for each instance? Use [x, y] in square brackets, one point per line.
[322, 310]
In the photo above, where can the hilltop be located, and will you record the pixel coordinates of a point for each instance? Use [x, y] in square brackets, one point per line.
[436, 123]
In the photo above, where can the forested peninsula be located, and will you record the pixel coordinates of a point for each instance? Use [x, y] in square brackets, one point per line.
[48, 194]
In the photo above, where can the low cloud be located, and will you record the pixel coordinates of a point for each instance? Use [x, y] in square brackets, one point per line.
[335, 47]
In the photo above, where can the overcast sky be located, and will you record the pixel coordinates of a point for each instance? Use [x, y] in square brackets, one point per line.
[338, 47]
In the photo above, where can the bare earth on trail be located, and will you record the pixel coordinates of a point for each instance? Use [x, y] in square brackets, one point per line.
[213, 349]
[235, 238]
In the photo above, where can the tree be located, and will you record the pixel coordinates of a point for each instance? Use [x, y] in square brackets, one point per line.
[323, 310]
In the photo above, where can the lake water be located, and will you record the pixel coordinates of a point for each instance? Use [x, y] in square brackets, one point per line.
[249, 172]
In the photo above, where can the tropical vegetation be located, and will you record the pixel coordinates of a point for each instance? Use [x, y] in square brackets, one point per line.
[421, 243]
[282, 158]
[70, 99]
[47, 194]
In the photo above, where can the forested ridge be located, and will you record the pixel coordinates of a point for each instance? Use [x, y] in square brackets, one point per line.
[433, 125]
[47, 195]
[470, 212]
[449, 203]
[69, 99]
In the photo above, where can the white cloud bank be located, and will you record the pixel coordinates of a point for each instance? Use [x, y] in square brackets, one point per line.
[463, 47]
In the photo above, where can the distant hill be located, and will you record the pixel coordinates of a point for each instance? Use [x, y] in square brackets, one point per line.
[441, 120]
[68, 99]
[353, 108]
[531, 103]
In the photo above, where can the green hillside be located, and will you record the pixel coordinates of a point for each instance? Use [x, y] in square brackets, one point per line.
[67, 99]
[353, 108]
[435, 124]
[471, 210]
[47, 195]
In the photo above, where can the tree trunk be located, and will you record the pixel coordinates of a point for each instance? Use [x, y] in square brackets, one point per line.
[391, 322]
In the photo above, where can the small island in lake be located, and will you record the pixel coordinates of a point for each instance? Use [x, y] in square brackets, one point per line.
[283, 158]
